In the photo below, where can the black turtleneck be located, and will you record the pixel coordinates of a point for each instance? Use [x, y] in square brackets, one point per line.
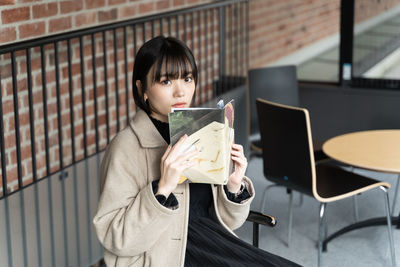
[162, 127]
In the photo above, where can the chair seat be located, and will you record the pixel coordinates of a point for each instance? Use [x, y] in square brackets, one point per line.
[334, 183]
[256, 146]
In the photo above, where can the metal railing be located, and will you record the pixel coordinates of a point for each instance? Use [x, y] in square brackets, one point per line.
[63, 97]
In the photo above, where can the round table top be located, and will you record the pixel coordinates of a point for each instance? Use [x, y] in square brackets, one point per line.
[377, 150]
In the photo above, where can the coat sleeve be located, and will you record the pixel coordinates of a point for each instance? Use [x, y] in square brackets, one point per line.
[234, 214]
[129, 219]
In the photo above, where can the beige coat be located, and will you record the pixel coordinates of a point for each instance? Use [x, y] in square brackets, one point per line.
[133, 227]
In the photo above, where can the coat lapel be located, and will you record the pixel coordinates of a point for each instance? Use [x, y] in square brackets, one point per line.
[146, 132]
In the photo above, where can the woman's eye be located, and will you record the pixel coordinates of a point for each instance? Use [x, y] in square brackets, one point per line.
[188, 79]
[166, 82]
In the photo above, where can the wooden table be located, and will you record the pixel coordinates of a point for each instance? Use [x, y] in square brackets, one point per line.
[377, 150]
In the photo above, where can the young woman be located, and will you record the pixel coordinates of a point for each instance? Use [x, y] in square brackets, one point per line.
[144, 217]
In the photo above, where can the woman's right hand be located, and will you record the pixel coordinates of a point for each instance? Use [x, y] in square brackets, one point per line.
[172, 166]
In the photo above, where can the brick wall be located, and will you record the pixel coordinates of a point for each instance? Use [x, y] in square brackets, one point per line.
[365, 9]
[26, 19]
[279, 28]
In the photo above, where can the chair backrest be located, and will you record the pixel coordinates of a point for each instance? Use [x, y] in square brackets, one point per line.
[287, 148]
[277, 84]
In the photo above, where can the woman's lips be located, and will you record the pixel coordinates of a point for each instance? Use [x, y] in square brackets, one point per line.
[179, 105]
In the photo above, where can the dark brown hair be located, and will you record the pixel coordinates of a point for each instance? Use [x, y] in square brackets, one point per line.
[158, 52]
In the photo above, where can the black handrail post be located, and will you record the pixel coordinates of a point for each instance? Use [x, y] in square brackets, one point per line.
[59, 121]
[31, 114]
[346, 41]
[71, 101]
[206, 51]
[16, 118]
[45, 117]
[199, 59]
[115, 81]
[214, 91]
[96, 123]
[222, 46]
[126, 76]
[104, 36]
[2, 146]
[83, 91]
[247, 35]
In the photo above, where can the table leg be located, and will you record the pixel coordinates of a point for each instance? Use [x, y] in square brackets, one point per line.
[398, 221]
[359, 225]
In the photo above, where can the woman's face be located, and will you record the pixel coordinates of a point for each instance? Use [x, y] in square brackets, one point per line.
[167, 94]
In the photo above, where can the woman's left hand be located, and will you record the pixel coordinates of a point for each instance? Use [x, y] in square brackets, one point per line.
[240, 164]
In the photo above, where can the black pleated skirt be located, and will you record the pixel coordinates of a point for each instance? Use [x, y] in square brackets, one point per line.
[210, 244]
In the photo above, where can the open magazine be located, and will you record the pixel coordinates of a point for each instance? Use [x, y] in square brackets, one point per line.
[210, 130]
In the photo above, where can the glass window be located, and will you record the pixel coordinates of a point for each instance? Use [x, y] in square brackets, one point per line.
[376, 39]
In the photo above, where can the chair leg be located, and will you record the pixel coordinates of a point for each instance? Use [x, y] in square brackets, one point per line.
[389, 224]
[256, 230]
[395, 195]
[262, 204]
[355, 205]
[290, 217]
[301, 199]
[321, 231]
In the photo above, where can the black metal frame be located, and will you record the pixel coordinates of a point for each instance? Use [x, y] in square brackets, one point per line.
[221, 81]
[346, 54]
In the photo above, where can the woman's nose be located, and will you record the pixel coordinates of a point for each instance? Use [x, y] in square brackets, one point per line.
[179, 89]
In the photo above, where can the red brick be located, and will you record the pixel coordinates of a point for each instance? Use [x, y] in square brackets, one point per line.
[85, 19]
[94, 3]
[15, 15]
[107, 15]
[76, 70]
[128, 11]
[60, 24]
[12, 175]
[44, 10]
[7, 34]
[116, 2]
[32, 29]
[194, 1]
[179, 2]
[145, 8]
[6, 2]
[26, 150]
[163, 4]
[71, 6]
[28, 1]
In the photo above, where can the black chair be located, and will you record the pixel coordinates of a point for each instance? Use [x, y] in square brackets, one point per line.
[288, 160]
[277, 84]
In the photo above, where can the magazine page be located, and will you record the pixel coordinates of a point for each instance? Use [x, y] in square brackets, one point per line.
[209, 131]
